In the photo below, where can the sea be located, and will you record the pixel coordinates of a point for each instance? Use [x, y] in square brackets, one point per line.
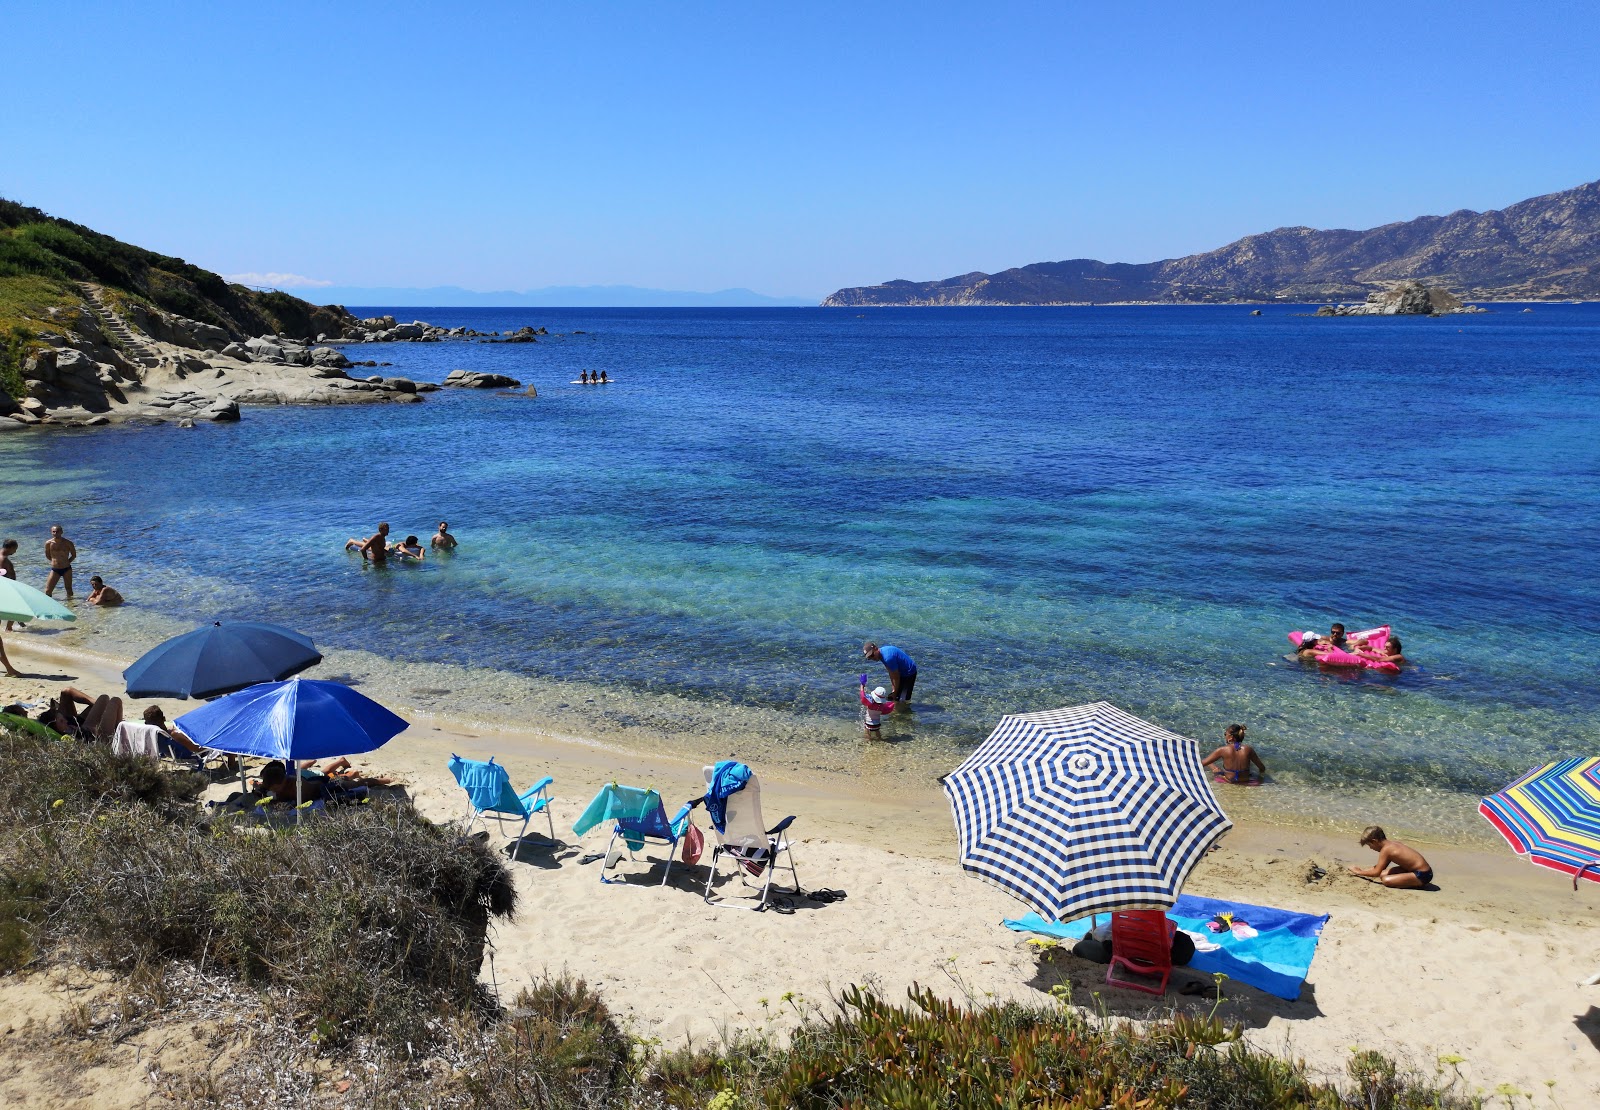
[1043, 506]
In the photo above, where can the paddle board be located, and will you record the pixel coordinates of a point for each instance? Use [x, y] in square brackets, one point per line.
[580, 381]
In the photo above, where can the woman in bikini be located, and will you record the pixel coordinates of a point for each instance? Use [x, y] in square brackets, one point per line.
[1237, 758]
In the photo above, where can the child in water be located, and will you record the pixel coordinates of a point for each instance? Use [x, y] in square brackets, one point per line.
[875, 706]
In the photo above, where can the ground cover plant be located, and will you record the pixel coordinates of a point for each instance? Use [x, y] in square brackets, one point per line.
[365, 935]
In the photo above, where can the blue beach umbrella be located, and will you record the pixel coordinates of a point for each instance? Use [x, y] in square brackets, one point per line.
[294, 720]
[219, 658]
[1084, 810]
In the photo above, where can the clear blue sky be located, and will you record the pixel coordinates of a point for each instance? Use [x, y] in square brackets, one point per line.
[788, 148]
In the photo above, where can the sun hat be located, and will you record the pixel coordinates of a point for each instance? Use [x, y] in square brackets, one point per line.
[880, 694]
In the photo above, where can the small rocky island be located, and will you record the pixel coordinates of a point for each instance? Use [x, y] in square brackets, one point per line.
[1409, 298]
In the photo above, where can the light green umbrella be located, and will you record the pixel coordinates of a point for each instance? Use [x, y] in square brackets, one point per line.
[21, 602]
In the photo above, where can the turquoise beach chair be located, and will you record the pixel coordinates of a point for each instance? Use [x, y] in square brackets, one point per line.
[489, 790]
[640, 819]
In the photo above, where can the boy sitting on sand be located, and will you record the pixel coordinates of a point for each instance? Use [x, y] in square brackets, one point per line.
[1399, 865]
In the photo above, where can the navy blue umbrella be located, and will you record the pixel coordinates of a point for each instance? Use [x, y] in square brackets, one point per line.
[220, 658]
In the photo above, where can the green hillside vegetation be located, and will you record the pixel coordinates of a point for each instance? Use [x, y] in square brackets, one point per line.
[42, 257]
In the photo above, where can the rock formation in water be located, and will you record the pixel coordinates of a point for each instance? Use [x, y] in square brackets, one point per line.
[1546, 247]
[94, 330]
[1409, 298]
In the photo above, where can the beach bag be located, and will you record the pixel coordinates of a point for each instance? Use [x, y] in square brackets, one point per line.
[694, 842]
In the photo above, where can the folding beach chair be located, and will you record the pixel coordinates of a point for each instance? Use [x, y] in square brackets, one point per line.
[489, 791]
[1141, 942]
[744, 838]
[640, 818]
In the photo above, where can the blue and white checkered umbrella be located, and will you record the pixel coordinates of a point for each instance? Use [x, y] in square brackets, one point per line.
[1084, 810]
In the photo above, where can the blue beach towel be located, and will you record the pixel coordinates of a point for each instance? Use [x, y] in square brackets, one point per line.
[727, 778]
[1276, 960]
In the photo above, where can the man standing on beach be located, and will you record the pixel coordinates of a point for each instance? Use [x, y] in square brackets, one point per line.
[59, 552]
[375, 548]
[902, 670]
[8, 569]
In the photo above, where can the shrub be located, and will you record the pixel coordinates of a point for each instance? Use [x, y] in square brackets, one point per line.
[373, 921]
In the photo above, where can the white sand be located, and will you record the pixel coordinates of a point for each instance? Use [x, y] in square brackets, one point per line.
[1485, 968]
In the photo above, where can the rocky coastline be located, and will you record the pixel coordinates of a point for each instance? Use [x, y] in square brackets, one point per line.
[1410, 298]
[121, 360]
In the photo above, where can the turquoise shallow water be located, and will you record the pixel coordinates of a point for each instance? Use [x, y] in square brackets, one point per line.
[1044, 506]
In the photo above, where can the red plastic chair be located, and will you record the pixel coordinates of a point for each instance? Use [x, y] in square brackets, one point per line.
[1141, 941]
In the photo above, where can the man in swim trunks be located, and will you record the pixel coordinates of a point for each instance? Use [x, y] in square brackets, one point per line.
[442, 539]
[59, 552]
[902, 670]
[1399, 865]
[375, 548]
[1237, 759]
[1391, 652]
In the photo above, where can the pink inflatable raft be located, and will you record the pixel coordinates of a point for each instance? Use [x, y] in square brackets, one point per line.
[1374, 639]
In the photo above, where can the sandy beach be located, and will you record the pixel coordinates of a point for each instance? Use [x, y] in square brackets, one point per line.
[1485, 968]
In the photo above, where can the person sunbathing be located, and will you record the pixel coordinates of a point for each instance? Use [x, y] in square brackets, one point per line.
[344, 772]
[98, 720]
[1399, 865]
[1237, 759]
[175, 743]
[279, 786]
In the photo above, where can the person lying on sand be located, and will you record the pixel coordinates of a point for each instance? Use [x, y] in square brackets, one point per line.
[1399, 865]
[375, 548]
[279, 785]
[411, 549]
[98, 721]
[1237, 758]
[102, 594]
[343, 770]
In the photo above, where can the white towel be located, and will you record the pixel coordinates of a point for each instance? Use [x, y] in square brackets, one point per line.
[140, 739]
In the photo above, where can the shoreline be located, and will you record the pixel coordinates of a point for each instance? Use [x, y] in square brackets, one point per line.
[1405, 972]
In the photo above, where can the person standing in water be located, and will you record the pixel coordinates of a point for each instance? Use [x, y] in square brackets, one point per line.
[442, 539]
[902, 669]
[1237, 759]
[59, 552]
[375, 548]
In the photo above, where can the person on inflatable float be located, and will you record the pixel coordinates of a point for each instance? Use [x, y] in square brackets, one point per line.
[1389, 653]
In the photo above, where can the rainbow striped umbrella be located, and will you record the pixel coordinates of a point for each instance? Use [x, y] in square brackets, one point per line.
[1552, 816]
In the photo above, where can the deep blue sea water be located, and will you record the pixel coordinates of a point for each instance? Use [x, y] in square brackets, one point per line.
[1043, 506]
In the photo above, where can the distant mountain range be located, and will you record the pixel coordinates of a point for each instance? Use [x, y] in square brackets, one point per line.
[1544, 248]
[553, 296]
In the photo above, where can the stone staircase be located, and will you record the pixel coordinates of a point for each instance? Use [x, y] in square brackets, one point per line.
[137, 347]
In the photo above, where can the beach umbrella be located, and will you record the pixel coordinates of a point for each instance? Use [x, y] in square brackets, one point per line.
[295, 720]
[21, 602]
[1084, 810]
[219, 658]
[1551, 815]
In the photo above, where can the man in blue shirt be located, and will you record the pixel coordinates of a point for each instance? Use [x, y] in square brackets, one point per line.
[902, 670]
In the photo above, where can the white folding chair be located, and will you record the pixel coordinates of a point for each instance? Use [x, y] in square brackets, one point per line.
[752, 848]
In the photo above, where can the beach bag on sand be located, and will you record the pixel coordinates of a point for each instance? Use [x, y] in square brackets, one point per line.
[694, 842]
